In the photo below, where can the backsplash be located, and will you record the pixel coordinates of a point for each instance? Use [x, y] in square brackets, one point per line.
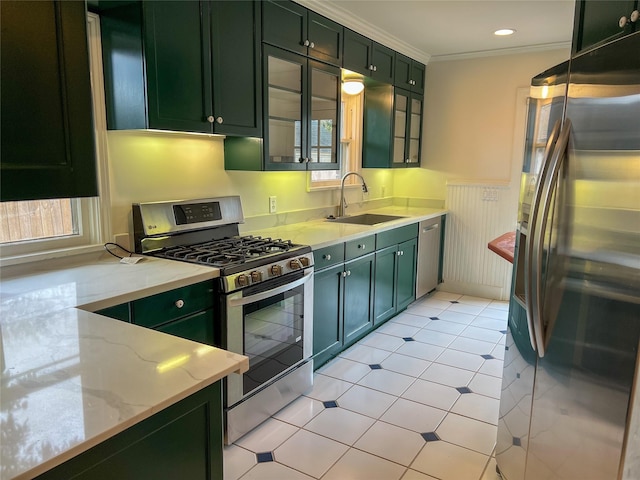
[148, 166]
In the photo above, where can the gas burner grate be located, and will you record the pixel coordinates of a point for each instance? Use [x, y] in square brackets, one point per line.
[227, 251]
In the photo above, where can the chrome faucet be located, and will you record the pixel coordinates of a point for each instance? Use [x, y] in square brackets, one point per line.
[343, 203]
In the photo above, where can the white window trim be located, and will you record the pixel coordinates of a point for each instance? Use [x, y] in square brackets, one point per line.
[353, 130]
[94, 214]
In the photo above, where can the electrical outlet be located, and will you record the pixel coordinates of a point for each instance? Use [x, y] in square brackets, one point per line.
[272, 204]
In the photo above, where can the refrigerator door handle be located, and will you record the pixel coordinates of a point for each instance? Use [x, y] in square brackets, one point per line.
[533, 219]
[550, 180]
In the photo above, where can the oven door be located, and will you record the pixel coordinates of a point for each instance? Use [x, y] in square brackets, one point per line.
[271, 324]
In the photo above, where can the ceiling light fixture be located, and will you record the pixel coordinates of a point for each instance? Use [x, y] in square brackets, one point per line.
[352, 86]
[504, 31]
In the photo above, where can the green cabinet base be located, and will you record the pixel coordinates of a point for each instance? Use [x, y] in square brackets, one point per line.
[181, 441]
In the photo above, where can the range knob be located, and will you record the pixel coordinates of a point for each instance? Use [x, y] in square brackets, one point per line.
[295, 264]
[256, 276]
[276, 270]
[242, 280]
[304, 261]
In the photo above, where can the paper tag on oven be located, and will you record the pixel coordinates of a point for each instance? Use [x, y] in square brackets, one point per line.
[130, 260]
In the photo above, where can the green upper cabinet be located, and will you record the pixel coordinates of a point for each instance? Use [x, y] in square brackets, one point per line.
[377, 135]
[291, 26]
[597, 22]
[364, 56]
[183, 66]
[47, 146]
[409, 74]
[407, 129]
[302, 117]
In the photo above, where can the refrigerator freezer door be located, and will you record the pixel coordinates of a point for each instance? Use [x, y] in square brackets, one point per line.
[584, 382]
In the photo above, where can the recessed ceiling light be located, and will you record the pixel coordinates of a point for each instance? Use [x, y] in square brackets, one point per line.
[504, 31]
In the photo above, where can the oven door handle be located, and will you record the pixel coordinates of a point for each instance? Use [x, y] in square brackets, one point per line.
[270, 293]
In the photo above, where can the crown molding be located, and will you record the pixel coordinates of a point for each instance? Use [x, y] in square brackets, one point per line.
[503, 51]
[338, 14]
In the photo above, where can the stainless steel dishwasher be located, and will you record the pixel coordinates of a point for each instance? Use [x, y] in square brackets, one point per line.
[428, 256]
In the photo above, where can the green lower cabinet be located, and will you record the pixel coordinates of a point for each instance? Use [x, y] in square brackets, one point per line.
[181, 441]
[406, 273]
[385, 284]
[198, 327]
[327, 314]
[358, 298]
[395, 279]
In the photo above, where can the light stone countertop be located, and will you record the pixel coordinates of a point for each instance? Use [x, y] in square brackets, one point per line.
[70, 378]
[323, 233]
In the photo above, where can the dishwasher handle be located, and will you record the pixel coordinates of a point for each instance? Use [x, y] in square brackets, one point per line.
[430, 227]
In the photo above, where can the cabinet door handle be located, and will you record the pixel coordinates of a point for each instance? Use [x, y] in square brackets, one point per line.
[179, 303]
[635, 15]
[327, 257]
[210, 119]
[219, 120]
[348, 273]
[344, 274]
[312, 45]
[305, 43]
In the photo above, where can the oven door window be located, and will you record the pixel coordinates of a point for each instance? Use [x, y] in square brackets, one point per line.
[273, 333]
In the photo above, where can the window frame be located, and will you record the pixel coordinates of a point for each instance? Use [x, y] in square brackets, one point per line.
[351, 111]
[93, 214]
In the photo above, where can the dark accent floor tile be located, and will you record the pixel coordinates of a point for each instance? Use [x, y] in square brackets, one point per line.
[264, 457]
[454, 301]
[408, 339]
[504, 332]
[517, 442]
[486, 356]
[330, 404]
[375, 366]
[434, 318]
[430, 436]
[464, 389]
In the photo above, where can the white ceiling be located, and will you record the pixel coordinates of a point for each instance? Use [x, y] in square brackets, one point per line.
[445, 29]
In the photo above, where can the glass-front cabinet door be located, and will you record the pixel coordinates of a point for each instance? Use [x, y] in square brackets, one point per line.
[324, 117]
[407, 128]
[302, 113]
[284, 137]
[400, 128]
[415, 130]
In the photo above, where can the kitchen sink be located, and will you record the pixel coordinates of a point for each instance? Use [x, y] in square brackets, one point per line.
[365, 219]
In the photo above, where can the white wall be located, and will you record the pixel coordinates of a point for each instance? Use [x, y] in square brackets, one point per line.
[146, 166]
[473, 144]
[468, 120]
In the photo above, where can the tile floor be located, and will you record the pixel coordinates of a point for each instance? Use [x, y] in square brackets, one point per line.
[417, 399]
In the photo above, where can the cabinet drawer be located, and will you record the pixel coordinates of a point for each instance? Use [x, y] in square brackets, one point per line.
[359, 247]
[397, 235]
[161, 308]
[325, 257]
[198, 327]
[119, 312]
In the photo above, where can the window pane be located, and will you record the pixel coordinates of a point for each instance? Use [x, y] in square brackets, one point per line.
[37, 219]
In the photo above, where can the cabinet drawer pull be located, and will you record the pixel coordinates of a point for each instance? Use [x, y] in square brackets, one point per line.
[179, 303]
[362, 246]
[326, 257]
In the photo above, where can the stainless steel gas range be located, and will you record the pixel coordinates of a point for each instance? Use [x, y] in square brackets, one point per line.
[264, 299]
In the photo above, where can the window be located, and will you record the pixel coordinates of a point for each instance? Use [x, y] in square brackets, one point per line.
[350, 144]
[46, 228]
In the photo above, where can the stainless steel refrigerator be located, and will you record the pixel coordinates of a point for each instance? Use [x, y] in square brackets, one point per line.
[570, 379]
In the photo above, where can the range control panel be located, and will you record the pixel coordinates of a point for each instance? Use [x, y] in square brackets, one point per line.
[255, 275]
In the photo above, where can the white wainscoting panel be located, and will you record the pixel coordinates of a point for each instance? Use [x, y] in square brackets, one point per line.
[477, 215]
